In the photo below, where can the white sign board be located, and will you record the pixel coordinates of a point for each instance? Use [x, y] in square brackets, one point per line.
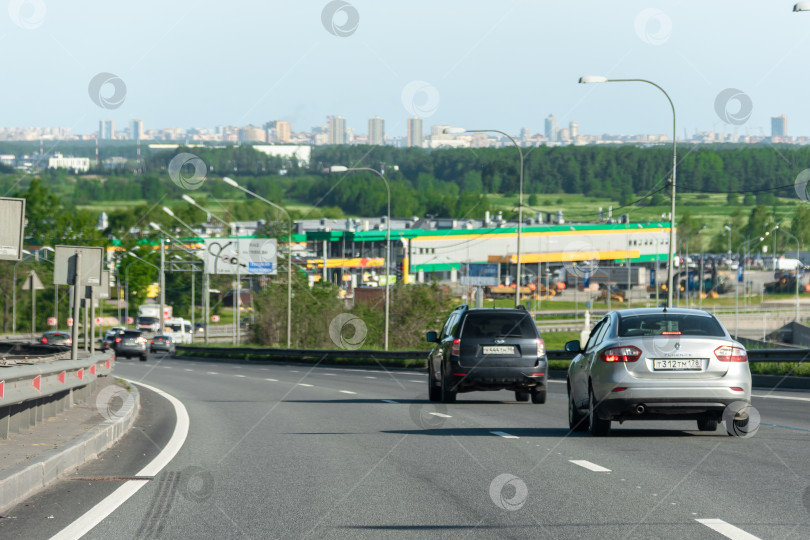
[248, 255]
[64, 267]
[12, 223]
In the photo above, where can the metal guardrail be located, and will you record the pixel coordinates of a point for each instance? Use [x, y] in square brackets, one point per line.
[26, 353]
[32, 392]
[754, 355]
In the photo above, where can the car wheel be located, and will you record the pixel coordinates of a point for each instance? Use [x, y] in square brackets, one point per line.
[448, 395]
[707, 424]
[739, 427]
[434, 391]
[521, 395]
[576, 420]
[597, 426]
[539, 395]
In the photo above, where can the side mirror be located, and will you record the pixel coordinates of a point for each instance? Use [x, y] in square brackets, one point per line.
[573, 346]
[432, 337]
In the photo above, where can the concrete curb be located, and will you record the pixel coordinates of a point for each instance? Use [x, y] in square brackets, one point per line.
[21, 481]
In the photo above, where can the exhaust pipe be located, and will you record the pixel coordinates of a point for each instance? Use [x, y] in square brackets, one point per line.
[640, 408]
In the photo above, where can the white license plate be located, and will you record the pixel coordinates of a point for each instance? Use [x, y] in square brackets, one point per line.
[494, 349]
[678, 364]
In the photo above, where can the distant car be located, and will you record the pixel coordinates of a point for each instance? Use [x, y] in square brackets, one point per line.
[657, 364]
[199, 327]
[487, 349]
[244, 323]
[130, 343]
[56, 337]
[161, 343]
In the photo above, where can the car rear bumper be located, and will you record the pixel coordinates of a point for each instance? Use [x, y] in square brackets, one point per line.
[497, 378]
[656, 404]
[129, 351]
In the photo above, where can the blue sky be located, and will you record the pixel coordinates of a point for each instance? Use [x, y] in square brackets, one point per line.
[502, 65]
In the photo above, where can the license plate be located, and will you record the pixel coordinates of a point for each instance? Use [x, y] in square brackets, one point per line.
[678, 364]
[495, 349]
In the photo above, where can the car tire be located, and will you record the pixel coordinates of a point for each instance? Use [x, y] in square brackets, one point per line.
[739, 427]
[521, 395]
[447, 395]
[597, 426]
[539, 396]
[434, 391]
[576, 420]
[707, 424]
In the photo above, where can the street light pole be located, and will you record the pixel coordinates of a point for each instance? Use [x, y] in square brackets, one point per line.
[600, 79]
[340, 168]
[520, 195]
[233, 183]
[798, 249]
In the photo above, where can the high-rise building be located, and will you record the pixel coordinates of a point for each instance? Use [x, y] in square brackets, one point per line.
[376, 131]
[283, 131]
[106, 129]
[525, 133]
[573, 129]
[136, 130]
[337, 130]
[252, 134]
[415, 134]
[779, 126]
[551, 128]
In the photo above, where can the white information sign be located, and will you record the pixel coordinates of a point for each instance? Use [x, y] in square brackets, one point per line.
[248, 255]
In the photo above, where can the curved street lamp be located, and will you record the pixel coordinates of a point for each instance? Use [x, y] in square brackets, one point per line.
[341, 168]
[520, 194]
[232, 182]
[591, 79]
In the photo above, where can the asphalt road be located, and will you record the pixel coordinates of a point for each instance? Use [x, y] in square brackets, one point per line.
[285, 451]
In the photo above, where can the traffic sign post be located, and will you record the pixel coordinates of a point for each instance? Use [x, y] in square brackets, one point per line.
[34, 284]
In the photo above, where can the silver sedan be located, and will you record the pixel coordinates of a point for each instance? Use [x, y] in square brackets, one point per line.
[658, 364]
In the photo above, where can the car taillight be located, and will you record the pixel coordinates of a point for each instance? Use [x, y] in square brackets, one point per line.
[151, 342]
[728, 353]
[70, 341]
[621, 354]
[456, 348]
[541, 348]
[118, 340]
[44, 340]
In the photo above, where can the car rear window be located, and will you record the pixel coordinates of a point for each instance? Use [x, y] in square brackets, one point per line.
[482, 325]
[669, 324]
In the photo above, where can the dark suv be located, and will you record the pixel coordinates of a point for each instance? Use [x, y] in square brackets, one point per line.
[487, 349]
[130, 343]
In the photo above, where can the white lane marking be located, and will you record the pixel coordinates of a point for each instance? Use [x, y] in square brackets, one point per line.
[390, 401]
[420, 382]
[240, 375]
[294, 371]
[504, 435]
[726, 529]
[109, 504]
[369, 377]
[782, 397]
[304, 384]
[272, 380]
[588, 465]
[213, 373]
[441, 415]
[347, 392]
[189, 369]
[559, 382]
[330, 374]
